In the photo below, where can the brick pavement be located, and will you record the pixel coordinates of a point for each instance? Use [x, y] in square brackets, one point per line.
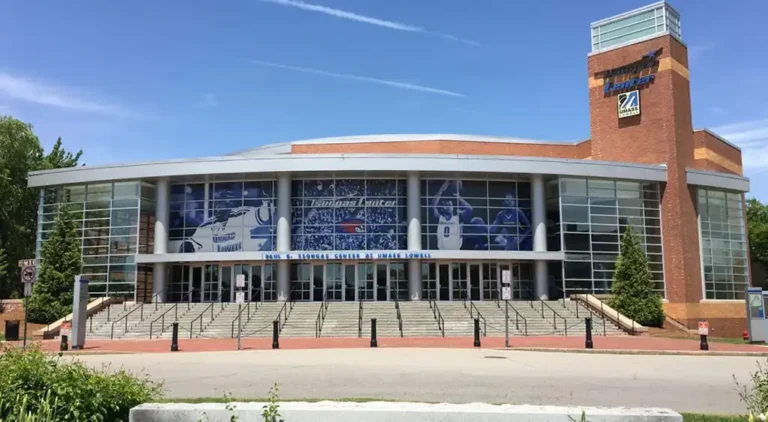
[642, 344]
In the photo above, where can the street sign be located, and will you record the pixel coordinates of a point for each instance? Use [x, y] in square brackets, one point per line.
[28, 274]
[66, 328]
[703, 328]
[240, 298]
[27, 262]
[240, 281]
[506, 277]
[506, 293]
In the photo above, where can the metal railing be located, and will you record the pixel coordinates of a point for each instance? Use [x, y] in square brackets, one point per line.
[200, 317]
[282, 316]
[474, 311]
[161, 318]
[321, 313]
[555, 315]
[239, 318]
[438, 316]
[139, 308]
[399, 317]
[518, 317]
[360, 319]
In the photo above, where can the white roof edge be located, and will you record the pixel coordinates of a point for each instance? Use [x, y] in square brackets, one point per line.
[725, 141]
[636, 41]
[632, 12]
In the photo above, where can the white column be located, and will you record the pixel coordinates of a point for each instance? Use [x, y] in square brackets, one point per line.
[538, 205]
[159, 284]
[283, 233]
[414, 234]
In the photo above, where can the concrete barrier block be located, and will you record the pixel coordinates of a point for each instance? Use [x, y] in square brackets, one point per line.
[328, 411]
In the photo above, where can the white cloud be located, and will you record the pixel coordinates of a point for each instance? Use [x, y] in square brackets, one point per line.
[343, 14]
[751, 137]
[45, 94]
[396, 84]
[208, 101]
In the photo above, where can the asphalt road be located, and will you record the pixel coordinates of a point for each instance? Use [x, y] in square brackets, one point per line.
[682, 383]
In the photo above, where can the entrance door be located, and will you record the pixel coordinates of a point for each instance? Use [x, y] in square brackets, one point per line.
[226, 284]
[317, 282]
[334, 284]
[301, 281]
[349, 282]
[445, 282]
[381, 282]
[196, 284]
[365, 281]
[211, 283]
[459, 280]
[474, 281]
[256, 283]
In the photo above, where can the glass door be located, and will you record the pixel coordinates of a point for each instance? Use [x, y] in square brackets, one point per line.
[226, 284]
[196, 284]
[349, 282]
[256, 283]
[301, 281]
[270, 282]
[491, 282]
[381, 282]
[474, 281]
[459, 280]
[334, 283]
[211, 283]
[445, 282]
[365, 279]
[318, 283]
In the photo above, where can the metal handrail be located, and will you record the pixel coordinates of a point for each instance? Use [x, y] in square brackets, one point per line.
[282, 316]
[517, 319]
[471, 307]
[555, 315]
[321, 315]
[200, 317]
[139, 308]
[438, 316]
[238, 318]
[399, 317]
[360, 320]
[174, 308]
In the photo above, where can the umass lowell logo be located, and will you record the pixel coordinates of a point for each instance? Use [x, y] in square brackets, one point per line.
[648, 62]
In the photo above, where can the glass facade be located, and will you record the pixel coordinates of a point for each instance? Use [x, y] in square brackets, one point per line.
[348, 214]
[222, 217]
[107, 218]
[476, 214]
[636, 25]
[724, 256]
[595, 213]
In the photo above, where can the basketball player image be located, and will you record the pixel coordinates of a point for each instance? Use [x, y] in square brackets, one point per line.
[505, 226]
[450, 220]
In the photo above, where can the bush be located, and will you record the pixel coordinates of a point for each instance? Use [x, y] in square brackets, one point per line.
[755, 396]
[632, 284]
[74, 391]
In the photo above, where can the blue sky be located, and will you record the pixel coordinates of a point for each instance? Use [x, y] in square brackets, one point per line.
[145, 80]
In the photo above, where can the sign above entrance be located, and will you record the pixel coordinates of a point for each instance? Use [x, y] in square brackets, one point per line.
[345, 255]
[630, 73]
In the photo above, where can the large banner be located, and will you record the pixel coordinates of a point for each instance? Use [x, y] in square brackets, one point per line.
[348, 214]
[239, 216]
[476, 215]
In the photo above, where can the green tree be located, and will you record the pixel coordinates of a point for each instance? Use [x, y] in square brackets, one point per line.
[757, 223]
[60, 262]
[20, 153]
[632, 284]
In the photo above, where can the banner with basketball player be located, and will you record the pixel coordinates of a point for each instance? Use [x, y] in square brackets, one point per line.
[348, 214]
[476, 215]
[233, 216]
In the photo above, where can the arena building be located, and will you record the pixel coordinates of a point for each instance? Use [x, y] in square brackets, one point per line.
[440, 216]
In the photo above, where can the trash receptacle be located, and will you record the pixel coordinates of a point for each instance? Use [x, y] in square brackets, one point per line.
[12, 330]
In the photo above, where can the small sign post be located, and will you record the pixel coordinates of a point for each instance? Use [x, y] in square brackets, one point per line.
[240, 300]
[79, 312]
[506, 295]
[28, 276]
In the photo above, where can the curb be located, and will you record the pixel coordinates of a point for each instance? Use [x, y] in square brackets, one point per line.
[636, 352]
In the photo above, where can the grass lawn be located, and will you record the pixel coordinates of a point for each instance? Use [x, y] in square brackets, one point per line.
[687, 417]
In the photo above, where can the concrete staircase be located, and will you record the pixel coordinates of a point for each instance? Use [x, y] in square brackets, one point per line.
[203, 320]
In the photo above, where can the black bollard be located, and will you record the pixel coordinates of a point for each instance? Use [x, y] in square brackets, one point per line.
[64, 346]
[275, 335]
[704, 344]
[588, 343]
[374, 343]
[175, 338]
[477, 332]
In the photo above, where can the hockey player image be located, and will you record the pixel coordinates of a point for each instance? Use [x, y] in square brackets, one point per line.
[508, 222]
[243, 228]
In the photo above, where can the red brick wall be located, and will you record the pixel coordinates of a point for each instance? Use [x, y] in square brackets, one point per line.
[715, 155]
